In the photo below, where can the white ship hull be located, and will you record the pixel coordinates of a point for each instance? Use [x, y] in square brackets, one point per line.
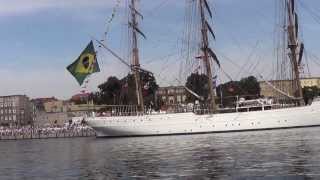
[190, 123]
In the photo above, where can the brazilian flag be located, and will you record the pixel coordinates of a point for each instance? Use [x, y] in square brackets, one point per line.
[85, 64]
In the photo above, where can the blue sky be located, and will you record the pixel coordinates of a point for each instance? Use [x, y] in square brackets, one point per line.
[39, 38]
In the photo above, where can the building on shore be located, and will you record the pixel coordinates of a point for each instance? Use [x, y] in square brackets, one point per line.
[172, 95]
[51, 111]
[80, 97]
[16, 110]
[286, 86]
[52, 118]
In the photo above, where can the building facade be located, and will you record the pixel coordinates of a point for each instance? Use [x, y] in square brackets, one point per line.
[313, 81]
[54, 112]
[51, 118]
[56, 106]
[16, 110]
[172, 95]
[286, 86]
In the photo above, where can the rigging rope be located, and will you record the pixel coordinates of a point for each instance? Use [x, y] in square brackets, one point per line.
[114, 10]
[312, 13]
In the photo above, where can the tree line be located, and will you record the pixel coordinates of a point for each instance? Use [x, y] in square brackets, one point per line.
[227, 93]
[122, 91]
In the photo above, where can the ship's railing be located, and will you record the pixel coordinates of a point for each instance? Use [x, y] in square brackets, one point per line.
[248, 106]
[119, 110]
[133, 110]
[178, 108]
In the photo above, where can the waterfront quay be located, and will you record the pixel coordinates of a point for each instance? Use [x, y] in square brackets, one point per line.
[45, 132]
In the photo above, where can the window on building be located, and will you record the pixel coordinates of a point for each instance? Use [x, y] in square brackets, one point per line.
[171, 91]
[179, 99]
[184, 98]
[171, 100]
[180, 91]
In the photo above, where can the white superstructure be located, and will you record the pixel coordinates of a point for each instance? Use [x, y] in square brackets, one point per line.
[190, 123]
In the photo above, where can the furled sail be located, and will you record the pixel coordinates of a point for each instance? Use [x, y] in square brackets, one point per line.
[138, 30]
[214, 56]
[208, 8]
[210, 30]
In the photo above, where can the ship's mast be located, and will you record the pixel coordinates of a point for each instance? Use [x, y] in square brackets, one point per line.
[205, 57]
[294, 55]
[135, 54]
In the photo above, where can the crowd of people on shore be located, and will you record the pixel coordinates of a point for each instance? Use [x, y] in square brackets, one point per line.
[46, 131]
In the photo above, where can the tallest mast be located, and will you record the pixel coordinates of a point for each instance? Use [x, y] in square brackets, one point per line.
[135, 53]
[295, 55]
[203, 4]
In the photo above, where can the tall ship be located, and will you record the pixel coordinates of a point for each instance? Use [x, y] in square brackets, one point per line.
[247, 115]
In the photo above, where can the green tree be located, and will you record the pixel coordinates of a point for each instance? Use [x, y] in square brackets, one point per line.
[149, 88]
[115, 91]
[229, 92]
[248, 88]
[198, 83]
[110, 91]
[309, 92]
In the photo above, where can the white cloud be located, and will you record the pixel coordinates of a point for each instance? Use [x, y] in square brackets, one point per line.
[18, 7]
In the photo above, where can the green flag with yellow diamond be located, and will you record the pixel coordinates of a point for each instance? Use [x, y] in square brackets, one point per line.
[85, 64]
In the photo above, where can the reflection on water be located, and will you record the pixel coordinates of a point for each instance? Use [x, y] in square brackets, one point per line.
[278, 154]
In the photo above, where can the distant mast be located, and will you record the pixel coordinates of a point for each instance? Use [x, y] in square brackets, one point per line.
[135, 53]
[293, 45]
[206, 51]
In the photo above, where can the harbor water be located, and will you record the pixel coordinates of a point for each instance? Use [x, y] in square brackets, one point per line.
[276, 154]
